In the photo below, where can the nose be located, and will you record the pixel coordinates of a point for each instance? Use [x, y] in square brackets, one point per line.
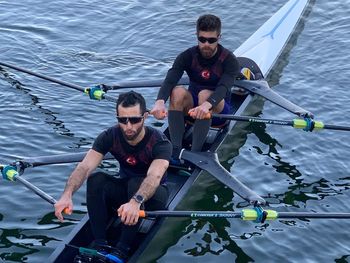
[128, 124]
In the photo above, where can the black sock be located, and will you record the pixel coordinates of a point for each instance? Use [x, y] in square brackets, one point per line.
[200, 132]
[176, 122]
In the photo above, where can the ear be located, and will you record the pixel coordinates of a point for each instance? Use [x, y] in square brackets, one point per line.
[145, 115]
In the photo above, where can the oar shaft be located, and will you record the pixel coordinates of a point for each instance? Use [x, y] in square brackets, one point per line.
[40, 193]
[336, 127]
[245, 214]
[10, 173]
[57, 159]
[286, 215]
[192, 214]
[63, 83]
[36, 190]
[296, 123]
[60, 82]
[143, 84]
[253, 119]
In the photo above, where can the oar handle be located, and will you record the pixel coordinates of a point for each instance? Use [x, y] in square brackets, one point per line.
[163, 114]
[192, 115]
[142, 214]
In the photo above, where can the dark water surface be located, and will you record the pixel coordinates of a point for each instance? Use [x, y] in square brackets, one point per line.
[89, 42]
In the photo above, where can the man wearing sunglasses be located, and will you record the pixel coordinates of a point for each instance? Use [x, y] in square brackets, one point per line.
[143, 154]
[212, 70]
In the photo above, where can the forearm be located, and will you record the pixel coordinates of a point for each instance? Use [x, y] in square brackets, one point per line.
[75, 180]
[231, 71]
[148, 187]
[223, 88]
[169, 83]
[172, 77]
[218, 95]
[151, 182]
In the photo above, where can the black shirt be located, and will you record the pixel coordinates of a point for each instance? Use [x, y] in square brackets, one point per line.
[134, 160]
[217, 73]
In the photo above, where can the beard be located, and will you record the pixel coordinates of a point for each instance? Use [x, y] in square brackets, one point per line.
[207, 52]
[130, 134]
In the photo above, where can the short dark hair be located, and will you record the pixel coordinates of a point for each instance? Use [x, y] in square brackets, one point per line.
[131, 98]
[209, 22]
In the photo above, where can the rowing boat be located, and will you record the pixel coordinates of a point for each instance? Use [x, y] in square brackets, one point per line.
[259, 53]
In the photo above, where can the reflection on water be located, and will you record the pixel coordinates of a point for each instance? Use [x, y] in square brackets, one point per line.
[18, 244]
[214, 239]
[299, 192]
[13, 239]
[49, 115]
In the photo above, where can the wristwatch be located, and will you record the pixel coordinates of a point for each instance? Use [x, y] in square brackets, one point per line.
[139, 198]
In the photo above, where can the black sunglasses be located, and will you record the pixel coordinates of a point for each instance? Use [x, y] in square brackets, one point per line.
[210, 40]
[132, 120]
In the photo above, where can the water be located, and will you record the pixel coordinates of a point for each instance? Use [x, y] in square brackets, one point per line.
[90, 42]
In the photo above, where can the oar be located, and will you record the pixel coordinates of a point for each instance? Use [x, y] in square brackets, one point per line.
[209, 162]
[94, 92]
[156, 83]
[54, 159]
[259, 87]
[245, 214]
[306, 124]
[10, 173]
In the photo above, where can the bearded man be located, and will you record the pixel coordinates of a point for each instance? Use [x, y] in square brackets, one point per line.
[143, 154]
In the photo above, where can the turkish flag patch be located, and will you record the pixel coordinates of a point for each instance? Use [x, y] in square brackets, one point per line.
[205, 74]
[131, 160]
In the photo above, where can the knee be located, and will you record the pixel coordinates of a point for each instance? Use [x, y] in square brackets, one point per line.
[177, 96]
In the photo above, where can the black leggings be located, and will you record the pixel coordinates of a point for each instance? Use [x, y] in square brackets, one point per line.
[105, 194]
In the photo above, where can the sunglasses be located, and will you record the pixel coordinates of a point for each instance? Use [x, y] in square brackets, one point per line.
[132, 120]
[210, 40]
